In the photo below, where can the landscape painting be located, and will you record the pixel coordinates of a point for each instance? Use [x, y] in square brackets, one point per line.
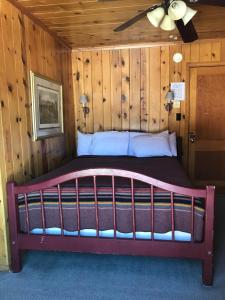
[47, 111]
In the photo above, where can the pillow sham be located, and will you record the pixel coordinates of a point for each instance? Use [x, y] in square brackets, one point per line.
[111, 143]
[84, 141]
[149, 146]
[135, 133]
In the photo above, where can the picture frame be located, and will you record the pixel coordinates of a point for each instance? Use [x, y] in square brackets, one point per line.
[47, 107]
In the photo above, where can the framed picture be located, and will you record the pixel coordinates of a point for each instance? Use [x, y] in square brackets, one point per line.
[47, 107]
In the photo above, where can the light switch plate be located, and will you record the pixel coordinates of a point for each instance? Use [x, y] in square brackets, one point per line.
[176, 104]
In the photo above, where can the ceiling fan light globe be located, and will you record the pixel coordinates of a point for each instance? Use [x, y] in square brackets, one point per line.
[155, 16]
[167, 24]
[190, 13]
[177, 10]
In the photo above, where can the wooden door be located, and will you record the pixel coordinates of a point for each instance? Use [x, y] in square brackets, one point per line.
[207, 125]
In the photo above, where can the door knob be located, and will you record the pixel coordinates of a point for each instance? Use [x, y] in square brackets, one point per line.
[192, 137]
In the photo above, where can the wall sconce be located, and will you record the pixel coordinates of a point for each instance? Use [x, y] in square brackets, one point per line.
[170, 98]
[84, 102]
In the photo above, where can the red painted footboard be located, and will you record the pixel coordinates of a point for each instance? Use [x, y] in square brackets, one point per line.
[195, 250]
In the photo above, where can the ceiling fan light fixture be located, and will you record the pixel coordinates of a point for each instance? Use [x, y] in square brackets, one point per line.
[177, 10]
[190, 13]
[167, 24]
[155, 16]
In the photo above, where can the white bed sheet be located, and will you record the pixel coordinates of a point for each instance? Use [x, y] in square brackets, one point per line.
[178, 235]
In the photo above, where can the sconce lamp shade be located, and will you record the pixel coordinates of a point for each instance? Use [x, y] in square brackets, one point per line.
[190, 13]
[177, 10]
[83, 100]
[170, 96]
[155, 16]
[168, 24]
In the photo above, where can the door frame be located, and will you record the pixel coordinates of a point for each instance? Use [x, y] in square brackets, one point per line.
[187, 106]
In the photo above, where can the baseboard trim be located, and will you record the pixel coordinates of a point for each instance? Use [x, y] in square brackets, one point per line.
[4, 268]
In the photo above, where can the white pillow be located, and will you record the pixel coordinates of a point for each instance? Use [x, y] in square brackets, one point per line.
[173, 143]
[163, 133]
[135, 133]
[172, 140]
[150, 146]
[131, 135]
[110, 143]
[84, 141]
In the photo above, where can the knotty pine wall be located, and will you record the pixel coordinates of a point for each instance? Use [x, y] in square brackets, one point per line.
[127, 87]
[26, 46]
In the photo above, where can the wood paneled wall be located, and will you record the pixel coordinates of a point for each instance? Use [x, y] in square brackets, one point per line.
[127, 87]
[26, 46]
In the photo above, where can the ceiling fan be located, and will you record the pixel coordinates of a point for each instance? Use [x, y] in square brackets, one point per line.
[171, 14]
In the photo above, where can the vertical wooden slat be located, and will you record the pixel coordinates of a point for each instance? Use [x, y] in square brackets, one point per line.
[77, 206]
[172, 215]
[67, 80]
[76, 93]
[68, 105]
[106, 90]
[33, 63]
[192, 218]
[165, 85]
[79, 77]
[27, 214]
[96, 206]
[125, 86]
[155, 95]
[133, 210]
[205, 52]
[222, 58]
[216, 51]
[135, 84]
[43, 212]
[26, 60]
[145, 79]
[60, 209]
[195, 52]
[11, 83]
[114, 206]
[192, 120]
[21, 85]
[87, 73]
[116, 90]
[42, 48]
[184, 126]
[6, 143]
[152, 212]
[97, 90]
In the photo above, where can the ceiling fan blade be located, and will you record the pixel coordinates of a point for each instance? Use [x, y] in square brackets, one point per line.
[187, 32]
[208, 2]
[135, 19]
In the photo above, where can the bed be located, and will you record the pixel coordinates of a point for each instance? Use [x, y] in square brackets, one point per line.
[114, 205]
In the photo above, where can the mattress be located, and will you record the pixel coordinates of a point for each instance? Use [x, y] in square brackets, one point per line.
[167, 236]
[165, 169]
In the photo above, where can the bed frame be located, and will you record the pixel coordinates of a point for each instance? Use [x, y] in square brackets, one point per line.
[194, 250]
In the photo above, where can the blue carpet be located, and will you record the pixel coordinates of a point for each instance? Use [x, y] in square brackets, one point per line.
[57, 275]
